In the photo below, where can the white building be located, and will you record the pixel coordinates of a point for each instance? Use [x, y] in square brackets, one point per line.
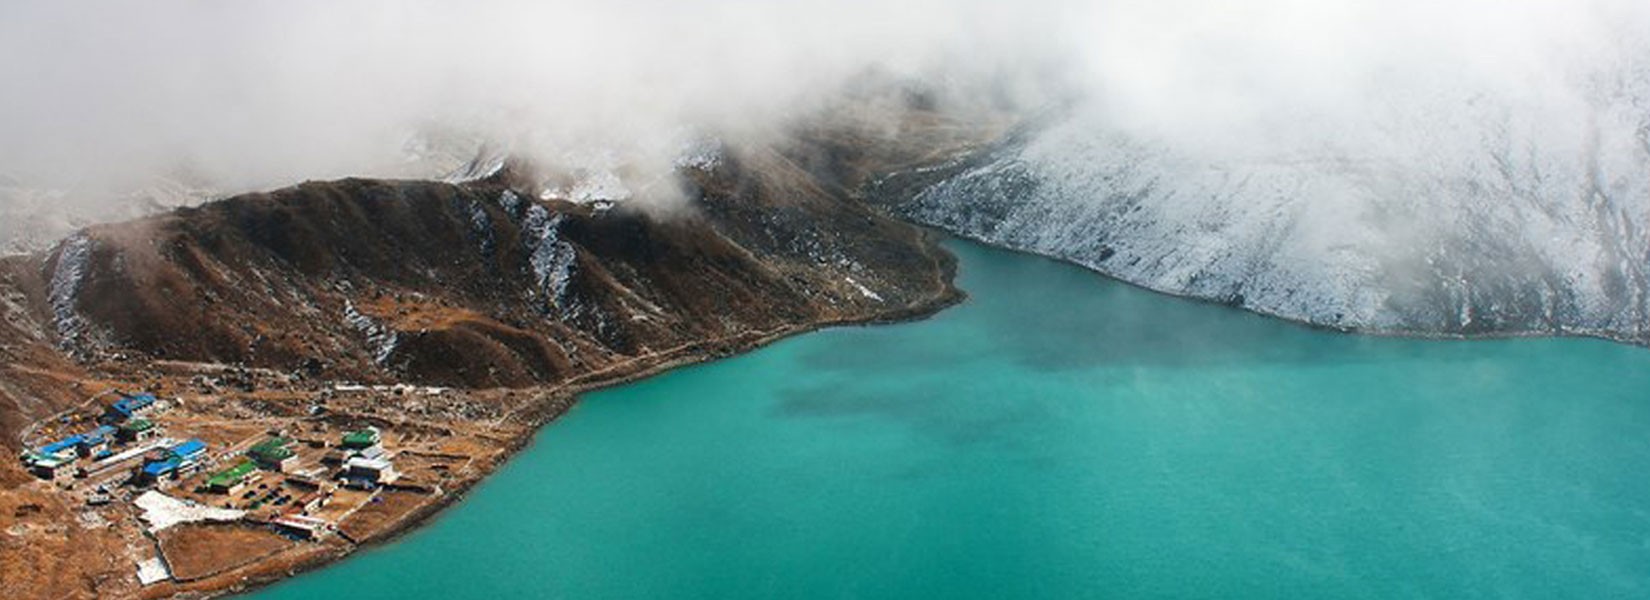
[369, 473]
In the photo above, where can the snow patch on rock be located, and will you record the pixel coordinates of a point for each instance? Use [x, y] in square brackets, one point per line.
[161, 511]
[865, 291]
[551, 259]
[153, 571]
[73, 259]
[511, 203]
[380, 338]
[591, 186]
[702, 153]
[481, 228]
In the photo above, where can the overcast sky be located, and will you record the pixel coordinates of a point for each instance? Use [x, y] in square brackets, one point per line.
[272, 91]
[261, 93]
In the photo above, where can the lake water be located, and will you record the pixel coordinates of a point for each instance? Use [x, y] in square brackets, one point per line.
[1061, 435]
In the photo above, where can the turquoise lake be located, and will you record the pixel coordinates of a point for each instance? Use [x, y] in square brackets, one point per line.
[1061, 435]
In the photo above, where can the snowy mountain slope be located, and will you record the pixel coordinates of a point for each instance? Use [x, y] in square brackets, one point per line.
[1441, 207]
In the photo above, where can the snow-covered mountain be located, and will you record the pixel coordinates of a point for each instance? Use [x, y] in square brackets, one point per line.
[1440, 205]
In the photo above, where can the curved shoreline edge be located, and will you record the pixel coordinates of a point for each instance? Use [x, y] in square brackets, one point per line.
[555, 402]
[1593, 334]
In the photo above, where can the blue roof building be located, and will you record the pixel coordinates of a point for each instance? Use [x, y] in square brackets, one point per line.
[161, 468]
[46, 460]
[190, 450]
[127, 406]
[68, 443]
[178, 457]
[80, 443]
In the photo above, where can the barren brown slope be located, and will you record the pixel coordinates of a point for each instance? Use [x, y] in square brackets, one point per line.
[473, 285]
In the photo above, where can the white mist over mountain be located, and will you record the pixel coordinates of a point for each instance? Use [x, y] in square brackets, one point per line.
[106, 99]
[1398, 165]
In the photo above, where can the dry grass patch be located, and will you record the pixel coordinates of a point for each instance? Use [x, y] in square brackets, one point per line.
[199, 551]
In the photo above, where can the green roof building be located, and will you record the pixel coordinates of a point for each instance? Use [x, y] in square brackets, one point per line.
[136, 429]
[273, 453]
[364, 438]
[229, 480]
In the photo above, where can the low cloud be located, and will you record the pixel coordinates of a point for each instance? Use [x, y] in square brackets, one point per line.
[106, 96]
[251, 94]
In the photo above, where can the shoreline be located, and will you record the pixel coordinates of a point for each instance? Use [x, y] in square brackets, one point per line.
[555, 402]
[1604, 335]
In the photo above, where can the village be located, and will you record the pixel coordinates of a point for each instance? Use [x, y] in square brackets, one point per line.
[203, 489]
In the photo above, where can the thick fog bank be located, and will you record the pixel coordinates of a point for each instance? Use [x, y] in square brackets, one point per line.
[118, 108]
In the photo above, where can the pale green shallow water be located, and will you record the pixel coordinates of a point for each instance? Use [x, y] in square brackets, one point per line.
[1065, 436]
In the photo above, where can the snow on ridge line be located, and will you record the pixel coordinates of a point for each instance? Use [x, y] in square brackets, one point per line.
[592, 186]
[485, 164]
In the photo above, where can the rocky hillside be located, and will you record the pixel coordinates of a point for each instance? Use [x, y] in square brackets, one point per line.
[471, 285]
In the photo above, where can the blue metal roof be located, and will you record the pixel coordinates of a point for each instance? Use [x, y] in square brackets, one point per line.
[161, 467]
[126, 405]
[190, 448]
[59, 446]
